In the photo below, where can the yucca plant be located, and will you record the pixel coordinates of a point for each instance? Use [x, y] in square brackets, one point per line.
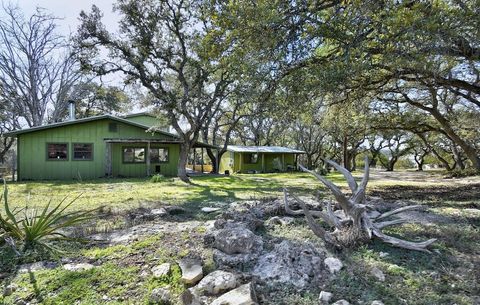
[37, 228]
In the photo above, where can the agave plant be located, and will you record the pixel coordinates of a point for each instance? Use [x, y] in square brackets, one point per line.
[37, 228]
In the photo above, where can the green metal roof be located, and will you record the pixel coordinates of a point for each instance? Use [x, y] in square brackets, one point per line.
[96, 118]
[84, 120]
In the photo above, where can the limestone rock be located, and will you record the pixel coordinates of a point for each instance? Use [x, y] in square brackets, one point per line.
[276, 220]
[333, 264]
[158, 212]
[238, 261]
[289, 263]
[192, 270]
[161, 270]
[237, 240]
[174, 210]
[341, 302]
[188, 298]
[37, 266]
[325, 297]
[160, 295]
[378, 274]
[243, 295]
[217, 282]
[9, 289]
[210, 209]
[376, 302]
[78, 267]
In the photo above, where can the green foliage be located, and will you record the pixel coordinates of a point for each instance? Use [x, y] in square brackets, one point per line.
[160, 178]
[468, 172]
[38, 228]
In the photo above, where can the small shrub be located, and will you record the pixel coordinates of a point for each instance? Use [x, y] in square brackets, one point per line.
[36, 228]
[159, 178]
[459, 173]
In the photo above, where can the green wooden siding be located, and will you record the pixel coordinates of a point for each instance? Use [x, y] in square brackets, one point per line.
[144, 120]
[32, 152]
[239, 165]
[121, 169]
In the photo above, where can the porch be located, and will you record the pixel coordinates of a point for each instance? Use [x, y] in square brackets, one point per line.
[141, 157]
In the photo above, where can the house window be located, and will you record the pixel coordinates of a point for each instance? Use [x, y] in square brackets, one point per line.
[251, 158]
[112, 127]
[82, 151]
[158, 155]
[57, 151]
[133, 155]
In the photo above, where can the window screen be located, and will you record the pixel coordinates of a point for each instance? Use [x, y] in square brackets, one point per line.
[251, 158]
[112, 127]
[133, 154]
[82, 151]
[158, 155]
[57, 151]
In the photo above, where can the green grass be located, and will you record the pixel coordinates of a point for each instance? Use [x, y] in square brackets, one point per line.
[123, 194]
[447, 277]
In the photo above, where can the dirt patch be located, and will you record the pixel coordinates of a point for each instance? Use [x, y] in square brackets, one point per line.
[435, 194]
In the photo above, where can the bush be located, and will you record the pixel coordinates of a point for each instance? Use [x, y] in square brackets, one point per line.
[459, 173]
[159, 178]
[37, 228]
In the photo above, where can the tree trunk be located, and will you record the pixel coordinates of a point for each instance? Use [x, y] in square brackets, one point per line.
[182, 162]
[458, 158]
[391, 164]
[309, 161]
[213, 158]
[469, 150]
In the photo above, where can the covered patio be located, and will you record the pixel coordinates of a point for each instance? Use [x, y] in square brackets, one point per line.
[144, 157]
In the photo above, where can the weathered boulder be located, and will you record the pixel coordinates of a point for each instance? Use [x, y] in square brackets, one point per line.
[341, 302]
[160, 295]
[378, 274]
[210, 209]
[192, 270]
[237, 261]
[161, 270]
[243, 295]
[376, 302]
[9, 290]
[237, 240]
[325, 297]
[78, 267]
[189, 298]
[290, 263]
[216, 282]
[333, 264]
[276, 220]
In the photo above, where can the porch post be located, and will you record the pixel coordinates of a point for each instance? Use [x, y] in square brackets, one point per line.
[194, 159]
[147, 155]
[202, 160]
[283, 163]
[108, 159]
[240, 163]
[263, 162]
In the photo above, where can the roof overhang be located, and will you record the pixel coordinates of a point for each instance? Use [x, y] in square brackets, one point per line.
[158, 141]
[85, 120]
[264, 149]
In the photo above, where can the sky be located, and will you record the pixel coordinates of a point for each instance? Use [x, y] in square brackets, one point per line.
[69, 11]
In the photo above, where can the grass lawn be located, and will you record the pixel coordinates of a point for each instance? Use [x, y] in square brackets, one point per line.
[448, 276]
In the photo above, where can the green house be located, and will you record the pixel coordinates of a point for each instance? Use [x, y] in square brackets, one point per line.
[100, 146]
[263, 159]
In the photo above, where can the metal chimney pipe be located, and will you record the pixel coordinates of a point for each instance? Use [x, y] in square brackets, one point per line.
[71, 110]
